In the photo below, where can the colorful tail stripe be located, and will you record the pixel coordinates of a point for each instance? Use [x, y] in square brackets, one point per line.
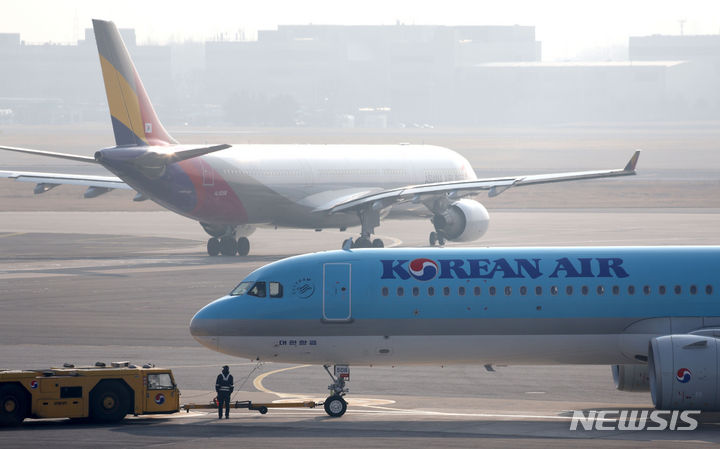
[133, 117]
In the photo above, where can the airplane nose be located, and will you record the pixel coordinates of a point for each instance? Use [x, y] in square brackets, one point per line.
[202, 331]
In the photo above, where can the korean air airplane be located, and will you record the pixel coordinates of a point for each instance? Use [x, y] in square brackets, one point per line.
[231, 189]
[653, 313]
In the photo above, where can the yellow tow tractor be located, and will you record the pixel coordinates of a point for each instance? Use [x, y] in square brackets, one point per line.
[102, 393]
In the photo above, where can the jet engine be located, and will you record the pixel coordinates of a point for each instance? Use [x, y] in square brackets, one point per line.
[683, 372]
[464, 221]
[631, 377]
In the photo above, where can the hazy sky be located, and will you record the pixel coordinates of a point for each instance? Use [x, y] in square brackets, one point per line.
[566, 28]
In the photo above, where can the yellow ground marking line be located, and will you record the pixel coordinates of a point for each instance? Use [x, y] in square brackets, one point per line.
[257, 382]
[13, 234]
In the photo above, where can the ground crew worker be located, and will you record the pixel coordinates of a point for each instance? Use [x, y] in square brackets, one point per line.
[224, 387]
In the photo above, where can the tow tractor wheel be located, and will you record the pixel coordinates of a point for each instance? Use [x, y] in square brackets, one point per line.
[109, 402]
[377, 243]
[335, 406]
[13, 405]
[228, 246]
[433, 238]
[243, 246]
[213, 246]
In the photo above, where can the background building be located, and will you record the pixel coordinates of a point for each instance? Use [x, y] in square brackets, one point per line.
[370, 76]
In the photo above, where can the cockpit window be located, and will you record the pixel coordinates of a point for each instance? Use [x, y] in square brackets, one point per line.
[242, 288]
[250, 288]
[276, 290]
[257, 290]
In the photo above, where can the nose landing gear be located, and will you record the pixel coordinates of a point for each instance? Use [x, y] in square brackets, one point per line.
[335, 405]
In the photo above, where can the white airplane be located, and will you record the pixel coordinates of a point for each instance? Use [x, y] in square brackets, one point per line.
[231, 189]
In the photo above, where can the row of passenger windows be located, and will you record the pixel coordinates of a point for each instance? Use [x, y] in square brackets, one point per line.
[259, 289]
[554, 290]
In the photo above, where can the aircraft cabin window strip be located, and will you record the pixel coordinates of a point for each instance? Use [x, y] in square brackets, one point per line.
[276, 290]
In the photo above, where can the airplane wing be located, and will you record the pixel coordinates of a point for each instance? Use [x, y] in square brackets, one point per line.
[459, 189]
[108, 182]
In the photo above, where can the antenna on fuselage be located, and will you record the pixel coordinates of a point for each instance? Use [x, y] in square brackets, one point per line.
[347, 244]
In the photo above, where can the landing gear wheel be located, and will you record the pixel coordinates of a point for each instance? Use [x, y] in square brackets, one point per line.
[228, 246]
[441, 240]
[13, 405]
[109, 402]
[433, 238]
[362, 242]
[377, 243]
[243, 246]
[213, 247]
[335, 406]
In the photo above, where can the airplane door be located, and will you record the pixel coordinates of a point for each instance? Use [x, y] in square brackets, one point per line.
[336, 292]
[207, 173]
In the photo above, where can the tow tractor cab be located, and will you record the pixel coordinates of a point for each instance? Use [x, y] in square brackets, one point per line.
[105, 394]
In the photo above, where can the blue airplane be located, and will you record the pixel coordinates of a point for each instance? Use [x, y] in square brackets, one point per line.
[653, 313]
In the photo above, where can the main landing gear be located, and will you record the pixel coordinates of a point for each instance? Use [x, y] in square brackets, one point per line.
[437, 238]
[369, 219]
[228, 246]
[223, 239]
[335, 405]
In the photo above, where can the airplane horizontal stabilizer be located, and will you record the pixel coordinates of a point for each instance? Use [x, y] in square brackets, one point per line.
[72, 157]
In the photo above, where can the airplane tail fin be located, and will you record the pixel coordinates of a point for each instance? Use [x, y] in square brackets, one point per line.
[133, 117]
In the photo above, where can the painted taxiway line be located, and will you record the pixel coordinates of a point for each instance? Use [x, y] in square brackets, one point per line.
[378, 406]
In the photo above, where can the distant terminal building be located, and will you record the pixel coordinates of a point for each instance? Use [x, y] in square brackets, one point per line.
[679, 48]
[405, 73]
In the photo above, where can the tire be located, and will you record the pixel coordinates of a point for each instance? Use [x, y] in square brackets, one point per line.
[109, 402]
[228, 246]
[362, 242]
[433, 238]
[377, 243]
[213, 247]
[243, 246]
[13, 405]
[335, 406]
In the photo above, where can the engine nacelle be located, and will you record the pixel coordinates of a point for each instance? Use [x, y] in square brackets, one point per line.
[631, 377]
[684, 372]
[464, 221]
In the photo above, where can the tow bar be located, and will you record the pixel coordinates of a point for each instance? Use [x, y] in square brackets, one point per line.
[261, 407]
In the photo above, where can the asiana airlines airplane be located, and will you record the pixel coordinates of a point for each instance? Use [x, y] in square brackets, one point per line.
[232, 189]
[652, 313]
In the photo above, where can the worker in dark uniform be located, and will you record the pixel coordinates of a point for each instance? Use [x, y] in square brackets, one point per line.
[224, 388]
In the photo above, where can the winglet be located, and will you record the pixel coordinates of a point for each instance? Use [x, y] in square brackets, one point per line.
[633, 161]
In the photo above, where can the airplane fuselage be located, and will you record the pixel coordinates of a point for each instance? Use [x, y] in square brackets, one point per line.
[284, 184]
[480, 305]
